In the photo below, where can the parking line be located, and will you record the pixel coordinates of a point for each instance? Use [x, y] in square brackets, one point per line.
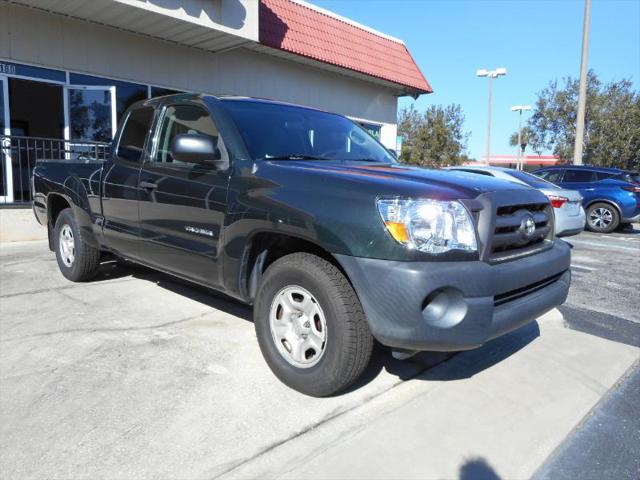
[582, 267]
[605, 245]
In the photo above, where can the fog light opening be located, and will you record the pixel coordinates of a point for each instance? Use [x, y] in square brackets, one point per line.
[444, 308]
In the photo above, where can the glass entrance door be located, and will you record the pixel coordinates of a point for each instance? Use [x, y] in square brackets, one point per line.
[90, 114]
[6, 174]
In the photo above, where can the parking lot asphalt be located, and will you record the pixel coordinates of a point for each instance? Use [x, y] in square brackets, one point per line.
[136, 375]
[603, 299]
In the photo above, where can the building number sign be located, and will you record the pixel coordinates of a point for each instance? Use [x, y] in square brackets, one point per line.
[7, 68]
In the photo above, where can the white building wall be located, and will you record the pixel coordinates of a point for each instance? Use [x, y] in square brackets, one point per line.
[35, 37]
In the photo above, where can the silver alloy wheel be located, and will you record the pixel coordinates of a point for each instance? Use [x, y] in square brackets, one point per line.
[66, 245]
[298, 326]
[600, 217]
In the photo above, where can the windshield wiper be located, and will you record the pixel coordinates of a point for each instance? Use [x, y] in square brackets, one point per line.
[294, 156]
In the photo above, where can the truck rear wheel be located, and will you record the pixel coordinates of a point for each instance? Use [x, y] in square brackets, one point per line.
[77, 261]
[310, 325]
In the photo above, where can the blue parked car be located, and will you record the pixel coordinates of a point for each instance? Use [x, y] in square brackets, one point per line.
[611, 196]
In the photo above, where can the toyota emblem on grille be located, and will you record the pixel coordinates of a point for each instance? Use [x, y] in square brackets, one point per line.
[527, 226]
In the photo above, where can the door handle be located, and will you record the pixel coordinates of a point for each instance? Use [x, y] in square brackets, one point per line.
[148, 185]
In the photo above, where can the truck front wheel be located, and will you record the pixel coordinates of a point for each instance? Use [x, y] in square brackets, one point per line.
[310, 325]
[77, 261]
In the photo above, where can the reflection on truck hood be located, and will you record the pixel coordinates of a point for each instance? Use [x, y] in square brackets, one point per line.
[467, 184]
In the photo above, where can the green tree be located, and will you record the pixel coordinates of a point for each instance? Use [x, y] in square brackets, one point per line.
[433, 138]
[527, 138]
[612, 122]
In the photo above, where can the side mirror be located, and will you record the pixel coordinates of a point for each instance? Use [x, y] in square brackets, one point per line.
[393, 153]
[195, 148]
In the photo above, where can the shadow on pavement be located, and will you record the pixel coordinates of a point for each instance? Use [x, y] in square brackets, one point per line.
[116, 269]
[469, 363]
[477, 469]
[630, 229]
[428, 366]
[433, 366]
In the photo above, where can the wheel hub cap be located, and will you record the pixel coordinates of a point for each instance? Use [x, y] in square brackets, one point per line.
[600, 217]
[67, 246]
[298, 326]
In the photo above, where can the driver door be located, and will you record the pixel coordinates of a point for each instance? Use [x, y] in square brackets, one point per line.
[182, 205]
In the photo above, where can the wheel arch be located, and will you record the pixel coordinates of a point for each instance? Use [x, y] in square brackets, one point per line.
[55, 204]
[607, 201]
[265, 247]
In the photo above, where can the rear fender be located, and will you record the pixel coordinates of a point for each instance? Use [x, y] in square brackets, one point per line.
[84, 204]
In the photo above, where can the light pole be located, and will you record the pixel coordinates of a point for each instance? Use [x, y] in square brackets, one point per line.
[491, 74]
[520, 109]
[582, 95]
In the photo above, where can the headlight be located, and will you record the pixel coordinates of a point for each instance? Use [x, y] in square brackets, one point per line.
[431, 226]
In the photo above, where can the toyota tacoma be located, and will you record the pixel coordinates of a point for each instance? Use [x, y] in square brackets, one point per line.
[305, 216]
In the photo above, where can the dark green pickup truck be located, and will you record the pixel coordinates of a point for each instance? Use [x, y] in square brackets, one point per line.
[307, 217]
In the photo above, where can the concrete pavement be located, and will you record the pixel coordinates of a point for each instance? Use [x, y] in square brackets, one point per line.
[500, 410]
[135, 375]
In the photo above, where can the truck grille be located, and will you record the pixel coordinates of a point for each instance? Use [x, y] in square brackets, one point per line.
[512, 224]
[520, 227]
[526, 290]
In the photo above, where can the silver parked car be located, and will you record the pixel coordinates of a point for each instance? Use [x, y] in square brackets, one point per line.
[567, 204]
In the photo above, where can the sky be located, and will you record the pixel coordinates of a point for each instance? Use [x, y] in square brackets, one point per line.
[537, 41]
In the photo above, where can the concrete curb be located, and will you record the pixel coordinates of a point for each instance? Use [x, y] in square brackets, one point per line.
[19, 224]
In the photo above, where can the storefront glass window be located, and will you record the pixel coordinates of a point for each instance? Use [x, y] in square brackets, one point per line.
[90, 115]
[126, 93]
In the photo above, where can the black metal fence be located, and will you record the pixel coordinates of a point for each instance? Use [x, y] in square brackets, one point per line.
[18, 156]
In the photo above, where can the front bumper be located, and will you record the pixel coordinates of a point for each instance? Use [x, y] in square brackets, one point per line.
[450, 306]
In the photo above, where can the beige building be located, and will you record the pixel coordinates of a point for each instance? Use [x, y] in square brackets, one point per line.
[69, 68]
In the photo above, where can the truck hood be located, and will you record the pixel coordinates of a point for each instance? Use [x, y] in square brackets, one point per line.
[402, 178]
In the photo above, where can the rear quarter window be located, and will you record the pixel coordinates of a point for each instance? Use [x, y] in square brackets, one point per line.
[629, 177]
[134, 134]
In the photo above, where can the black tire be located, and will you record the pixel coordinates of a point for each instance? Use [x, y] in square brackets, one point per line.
[86, 259]
[348, 344]
[602, 218]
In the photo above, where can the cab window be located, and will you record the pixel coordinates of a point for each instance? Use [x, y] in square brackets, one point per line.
[180, 119]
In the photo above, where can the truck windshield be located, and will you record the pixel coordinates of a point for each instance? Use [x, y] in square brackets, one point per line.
[285, 132]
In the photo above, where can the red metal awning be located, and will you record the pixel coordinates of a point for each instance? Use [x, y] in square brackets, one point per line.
[316, 34]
